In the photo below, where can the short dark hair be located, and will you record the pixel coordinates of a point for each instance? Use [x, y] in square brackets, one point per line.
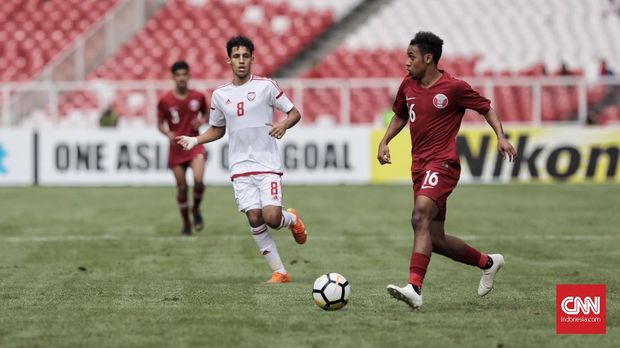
[237, 41]
[179, 65]
[428, 42]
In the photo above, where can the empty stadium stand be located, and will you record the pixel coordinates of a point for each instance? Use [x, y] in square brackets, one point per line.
[488, 38]
[33, 32]
[506, 41]
[197, 31]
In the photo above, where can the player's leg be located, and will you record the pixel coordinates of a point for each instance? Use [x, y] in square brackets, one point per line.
[267, 246]
[179, 176]
[198, 169]
[274, 214]
[247, 196]
[424, 212]
[456, 249]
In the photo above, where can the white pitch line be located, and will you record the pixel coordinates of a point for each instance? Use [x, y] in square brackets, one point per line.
[207, 237]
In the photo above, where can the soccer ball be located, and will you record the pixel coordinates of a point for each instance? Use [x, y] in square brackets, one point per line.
[331, 291]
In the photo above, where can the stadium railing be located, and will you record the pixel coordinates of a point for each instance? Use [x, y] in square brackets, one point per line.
[92, 48]
[589, 98]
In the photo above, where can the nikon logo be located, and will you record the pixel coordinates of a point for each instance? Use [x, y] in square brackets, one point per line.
[558, 162]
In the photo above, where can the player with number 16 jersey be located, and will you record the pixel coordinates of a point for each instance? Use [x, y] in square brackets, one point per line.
[433, 104]
[435, 115]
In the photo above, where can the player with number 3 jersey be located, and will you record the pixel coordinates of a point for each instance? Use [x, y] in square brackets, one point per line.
[245, 107]
[433, 103]
[181, 112]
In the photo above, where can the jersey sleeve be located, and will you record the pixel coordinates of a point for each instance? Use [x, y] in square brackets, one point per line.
[278, 99]
[216, 115]
[400, 104]
[470, 99]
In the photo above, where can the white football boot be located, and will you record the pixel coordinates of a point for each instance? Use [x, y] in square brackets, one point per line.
[406, 294]
[488, 275]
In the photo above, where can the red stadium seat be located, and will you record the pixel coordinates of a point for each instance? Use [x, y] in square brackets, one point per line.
[198, 33]
[610, 115]
[38, 30]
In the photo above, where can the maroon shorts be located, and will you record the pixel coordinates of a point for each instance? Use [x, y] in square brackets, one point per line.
[436, 181]
[182, 157]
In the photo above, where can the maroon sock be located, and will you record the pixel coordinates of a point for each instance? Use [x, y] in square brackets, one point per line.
[198, 191]
[483, 261]
[184, 208]
[474, 257]
[417, 268]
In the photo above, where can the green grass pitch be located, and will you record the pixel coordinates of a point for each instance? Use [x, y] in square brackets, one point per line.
[143, 285]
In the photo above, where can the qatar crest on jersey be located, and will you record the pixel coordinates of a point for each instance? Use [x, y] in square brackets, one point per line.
[251, 96]
[440, 101]
[194, 105]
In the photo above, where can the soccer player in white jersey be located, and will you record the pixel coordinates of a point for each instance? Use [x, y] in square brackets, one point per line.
[246, 107]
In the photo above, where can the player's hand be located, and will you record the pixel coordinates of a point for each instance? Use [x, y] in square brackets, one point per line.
[171, 136]
[278, 129]
[384, 154]
[506, 149]
[188, 143]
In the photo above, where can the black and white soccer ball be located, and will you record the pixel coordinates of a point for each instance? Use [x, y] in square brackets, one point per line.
[331, 291]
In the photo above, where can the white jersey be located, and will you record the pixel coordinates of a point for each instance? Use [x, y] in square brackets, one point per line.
[245, 110]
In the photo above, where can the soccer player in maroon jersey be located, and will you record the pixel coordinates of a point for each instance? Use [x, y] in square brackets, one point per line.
[181, 112]
[433, 103]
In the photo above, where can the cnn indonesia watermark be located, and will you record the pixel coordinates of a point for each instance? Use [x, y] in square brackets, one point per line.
[580, 309]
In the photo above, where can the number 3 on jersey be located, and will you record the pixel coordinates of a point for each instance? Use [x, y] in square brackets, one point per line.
[240, 109]
[430, 180]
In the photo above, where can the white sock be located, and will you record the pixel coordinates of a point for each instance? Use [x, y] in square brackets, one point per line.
[287, 219]
[267, 247]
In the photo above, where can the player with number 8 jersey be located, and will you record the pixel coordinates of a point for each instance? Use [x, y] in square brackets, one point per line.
[245, 107]
[247, 113]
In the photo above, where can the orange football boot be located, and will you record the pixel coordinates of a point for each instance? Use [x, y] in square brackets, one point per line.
[298, 229]
[278, 277]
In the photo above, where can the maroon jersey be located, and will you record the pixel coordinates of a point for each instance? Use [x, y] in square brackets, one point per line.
[180, 115]
[435, 116]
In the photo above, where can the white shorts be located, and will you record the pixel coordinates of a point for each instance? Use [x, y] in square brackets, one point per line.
[257, 191]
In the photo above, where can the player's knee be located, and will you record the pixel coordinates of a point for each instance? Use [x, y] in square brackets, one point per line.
[255, 219]
[182, 189]
[420, 219]
[273, 219]
[439, 245]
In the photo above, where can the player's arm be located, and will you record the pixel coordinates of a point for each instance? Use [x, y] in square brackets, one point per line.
[212, 134]
[204, 114]
[162, 125]
[279, 128]
[503, 145]
[470, 99]
[163, 129]
[398, 122]
[396, 125]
